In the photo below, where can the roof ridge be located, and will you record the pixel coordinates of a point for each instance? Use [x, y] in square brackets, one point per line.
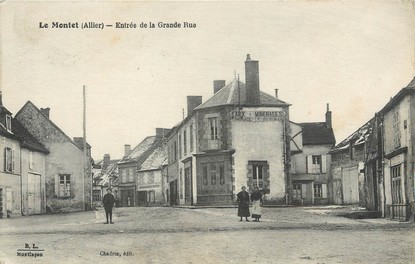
[48, 120]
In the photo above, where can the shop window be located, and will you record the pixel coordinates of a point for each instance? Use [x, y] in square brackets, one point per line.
[96, 195]
[396, 184]
[297, 190]
[212, 174]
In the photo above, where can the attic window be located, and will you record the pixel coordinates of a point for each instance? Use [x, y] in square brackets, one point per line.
[9, 123]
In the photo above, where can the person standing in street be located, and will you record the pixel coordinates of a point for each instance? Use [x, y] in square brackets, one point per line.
[256, 198]
[243, 204]
[108, 202]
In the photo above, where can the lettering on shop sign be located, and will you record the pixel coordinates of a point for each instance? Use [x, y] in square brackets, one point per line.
[257, 116]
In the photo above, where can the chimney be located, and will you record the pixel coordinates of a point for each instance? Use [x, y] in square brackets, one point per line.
[328, 117]
[127, 149]
[45, 111]
[106, 161]
[276, 93]
[161, 132]
[217, 85]
[193, 102]
[1, 99]
[252, 81]
[79, 141]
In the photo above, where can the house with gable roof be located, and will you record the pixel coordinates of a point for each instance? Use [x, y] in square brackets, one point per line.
[68, 173]
[238, 137]
[131, 176]
[310, 161]
[22, 169]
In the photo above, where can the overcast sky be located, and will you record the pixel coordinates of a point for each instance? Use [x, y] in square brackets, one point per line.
[354, 56]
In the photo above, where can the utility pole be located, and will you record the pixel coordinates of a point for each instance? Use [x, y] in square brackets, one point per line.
[85, 157]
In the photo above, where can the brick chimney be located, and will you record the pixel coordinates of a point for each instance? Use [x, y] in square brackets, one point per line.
[127, 149]
[217, 85]
[106, 161]
[45, 111]
[161, 132]
[193, 102]
[252, 81]
[328, 117]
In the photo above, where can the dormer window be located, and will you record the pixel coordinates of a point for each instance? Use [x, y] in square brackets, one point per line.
[9, 123]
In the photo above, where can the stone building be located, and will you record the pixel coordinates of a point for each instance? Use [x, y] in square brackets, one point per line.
[397, 119]
[22, 169]
[68, 172]
[238, 137]
[310, 160]
[346, 181]
[140, 172]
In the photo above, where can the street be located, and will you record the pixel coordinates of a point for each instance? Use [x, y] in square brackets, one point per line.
[209, 235]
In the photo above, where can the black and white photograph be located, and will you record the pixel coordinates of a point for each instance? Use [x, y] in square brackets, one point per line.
[207, 131]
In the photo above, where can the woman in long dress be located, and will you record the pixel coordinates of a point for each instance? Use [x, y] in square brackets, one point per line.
[243, 204]
[256, 198]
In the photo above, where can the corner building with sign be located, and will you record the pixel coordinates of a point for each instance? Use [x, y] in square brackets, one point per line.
[236, 138]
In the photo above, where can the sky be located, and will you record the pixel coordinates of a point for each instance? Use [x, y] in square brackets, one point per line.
[352, 55]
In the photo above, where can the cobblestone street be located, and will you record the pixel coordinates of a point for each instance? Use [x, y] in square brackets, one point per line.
[209, 235]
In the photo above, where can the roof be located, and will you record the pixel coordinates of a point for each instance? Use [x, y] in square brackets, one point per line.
[136, 154]
[30, 104]
[156, 159]
[111, 170]
[409, 89]
[26, 139]
[359, 137]
[317, 133]
[234, 94]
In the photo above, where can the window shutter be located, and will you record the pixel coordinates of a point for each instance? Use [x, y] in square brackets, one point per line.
[57, 185]
[13, 163]
[309, 163]
[5, 159]
[324, 190]
[303, 190]
[323, 164]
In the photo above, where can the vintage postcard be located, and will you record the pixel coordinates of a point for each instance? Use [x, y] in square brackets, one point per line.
[207, 132]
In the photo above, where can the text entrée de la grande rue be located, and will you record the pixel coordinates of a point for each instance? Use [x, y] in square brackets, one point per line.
[118, 25]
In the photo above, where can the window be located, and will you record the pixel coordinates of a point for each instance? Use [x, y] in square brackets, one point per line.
[396, 129]
[175, 151]
[316, 165]
[221, 174]
[184, 142]
[213, 174]
[318, 191]
[9, 123]
[180, 146]
[181, 183]
[64, 185]
[96, 195]
[191, 137]
[257, 171]
[31, 163]
[151, 196]
[123, 175]
[9, 164]
[131, 175]
[213, 127]
[205, 174]
[297, 190]
[396, 184]
[150, 177]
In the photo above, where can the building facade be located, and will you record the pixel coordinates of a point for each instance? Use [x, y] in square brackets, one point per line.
[238, 137]
[68, 182]
[22, 173]
[310, 161]
[137, 185]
